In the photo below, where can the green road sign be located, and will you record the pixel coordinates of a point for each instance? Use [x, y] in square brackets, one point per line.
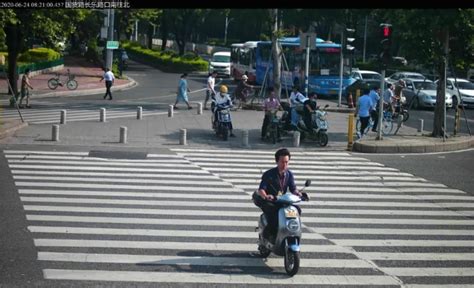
[112, 44]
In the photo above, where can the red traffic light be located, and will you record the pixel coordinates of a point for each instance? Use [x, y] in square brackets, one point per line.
[386, 30]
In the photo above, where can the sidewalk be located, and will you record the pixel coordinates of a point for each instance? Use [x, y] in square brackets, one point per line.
[86, 74]
[161, 131]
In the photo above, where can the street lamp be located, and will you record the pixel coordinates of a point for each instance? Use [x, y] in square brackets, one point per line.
[227, 21]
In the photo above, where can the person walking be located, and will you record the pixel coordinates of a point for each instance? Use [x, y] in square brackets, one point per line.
[183, 90]
[109, 81]
[364, 106]
[210, 92]
[374, 113]
[25, 89]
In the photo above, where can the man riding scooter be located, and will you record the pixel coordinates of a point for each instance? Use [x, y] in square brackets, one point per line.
[275, 182]
[296, 103]
[310, 106]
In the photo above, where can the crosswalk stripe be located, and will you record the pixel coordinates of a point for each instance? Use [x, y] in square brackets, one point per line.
[133, 194]
[30, 152]
[385, 231]
[351, 183]
[200, 246]
[220, 161]
[295, 166]
[405, 243]
[199, 261]
[206, 181]
[100, 160]
[105, 163]
[430, 271]
[182, 151]
[119, 175]
[137, 187]
[264, 156]
[217, 204]
[417, 256]
[206, 278]
[101, 168]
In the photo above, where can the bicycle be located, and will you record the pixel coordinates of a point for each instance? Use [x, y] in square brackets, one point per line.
[387, 124]
[71, 84]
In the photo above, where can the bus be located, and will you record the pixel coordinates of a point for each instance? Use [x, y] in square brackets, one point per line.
[244, 60]
[324, 67]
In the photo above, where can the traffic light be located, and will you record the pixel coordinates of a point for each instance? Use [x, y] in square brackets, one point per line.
[349, 39]
[386, 43]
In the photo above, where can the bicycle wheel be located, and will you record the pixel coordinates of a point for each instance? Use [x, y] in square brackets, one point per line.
[53, 83]
[387, 126]
[71, 84]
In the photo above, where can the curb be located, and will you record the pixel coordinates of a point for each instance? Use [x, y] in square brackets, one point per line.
[416, 146]
[10, 130]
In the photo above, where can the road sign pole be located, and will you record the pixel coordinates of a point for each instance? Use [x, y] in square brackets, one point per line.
[110, 37]
[306, 70]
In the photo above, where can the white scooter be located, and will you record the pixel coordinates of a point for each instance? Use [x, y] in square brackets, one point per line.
[287, 241]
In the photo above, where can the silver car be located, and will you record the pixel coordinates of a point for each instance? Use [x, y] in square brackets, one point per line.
[423, 93]
[404, 75]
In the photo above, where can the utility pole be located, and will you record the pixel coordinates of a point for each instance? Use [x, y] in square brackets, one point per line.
[365, 39]
[341, 67]
[276, 56]
[110, 37]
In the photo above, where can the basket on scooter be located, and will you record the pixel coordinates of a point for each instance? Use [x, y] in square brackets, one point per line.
[223, 116]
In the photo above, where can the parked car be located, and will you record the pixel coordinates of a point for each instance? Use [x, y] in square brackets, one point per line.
[403, 75]
[369, 78]
[220, 62]
[466, 91]
[425, 90]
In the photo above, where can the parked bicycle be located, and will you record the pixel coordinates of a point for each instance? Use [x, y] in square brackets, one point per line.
[387, 124]
[54, 82]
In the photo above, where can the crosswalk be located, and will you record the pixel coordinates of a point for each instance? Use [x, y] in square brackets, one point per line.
[186, 218]
[51, 113]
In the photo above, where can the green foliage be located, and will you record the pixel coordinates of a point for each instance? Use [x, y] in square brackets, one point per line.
[39, 54]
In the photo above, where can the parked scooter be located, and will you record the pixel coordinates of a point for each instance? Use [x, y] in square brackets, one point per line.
[223, 123]
[288, 238]
[318, 134]
[273, 126]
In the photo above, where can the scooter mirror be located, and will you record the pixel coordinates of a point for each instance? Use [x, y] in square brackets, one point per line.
[307, 183]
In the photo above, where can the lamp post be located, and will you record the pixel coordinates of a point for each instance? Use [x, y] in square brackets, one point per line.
[227, 21]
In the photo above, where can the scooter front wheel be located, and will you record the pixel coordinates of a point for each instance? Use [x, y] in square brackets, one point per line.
[292, 262]
[323, 139]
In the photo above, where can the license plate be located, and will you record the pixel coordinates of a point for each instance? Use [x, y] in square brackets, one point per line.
[291, 213]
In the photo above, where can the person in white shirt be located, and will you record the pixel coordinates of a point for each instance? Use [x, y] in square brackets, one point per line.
[210, 92]
[109, 81]
[296, 102]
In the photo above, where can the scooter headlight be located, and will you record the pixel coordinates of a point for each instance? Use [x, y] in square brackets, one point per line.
[293, 225]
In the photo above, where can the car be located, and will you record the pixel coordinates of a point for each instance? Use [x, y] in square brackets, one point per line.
[370, 78]
[400, 60]
[403, 75]
[220, 62]
[423, 93]
[460, 89]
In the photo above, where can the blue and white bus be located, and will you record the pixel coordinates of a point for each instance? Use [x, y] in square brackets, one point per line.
[323, 71]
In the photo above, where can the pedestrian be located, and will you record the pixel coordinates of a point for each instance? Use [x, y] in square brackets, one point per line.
[242, 91]
[25, 88]
[109, 81]
[183, 90]
[389, 98]
[374, 113]
[210, 92]
[364, 106]
[270, 105]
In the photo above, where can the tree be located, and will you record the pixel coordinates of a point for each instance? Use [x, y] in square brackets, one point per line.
[276, 54]
[46, 27]
[425, 34]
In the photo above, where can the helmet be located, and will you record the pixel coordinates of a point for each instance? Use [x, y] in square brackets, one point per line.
[223, 89]
[244, 77]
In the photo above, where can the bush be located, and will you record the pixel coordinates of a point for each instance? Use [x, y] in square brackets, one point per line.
[167, 60]
[38, 55]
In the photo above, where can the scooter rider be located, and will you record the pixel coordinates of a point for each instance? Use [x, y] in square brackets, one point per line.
[309, 107]
[221, 99]
[296, 101]
[275, 182]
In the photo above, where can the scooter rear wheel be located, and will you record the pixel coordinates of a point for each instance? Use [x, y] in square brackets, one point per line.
[292, 262]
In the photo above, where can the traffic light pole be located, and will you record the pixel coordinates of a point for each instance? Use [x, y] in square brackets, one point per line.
[306, 69]
[341, 67]
[379, 126]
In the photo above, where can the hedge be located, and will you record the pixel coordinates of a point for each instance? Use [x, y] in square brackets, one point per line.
[166, 61]
[39, 54]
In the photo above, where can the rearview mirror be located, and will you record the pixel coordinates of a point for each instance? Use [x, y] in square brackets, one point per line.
[307, 183]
